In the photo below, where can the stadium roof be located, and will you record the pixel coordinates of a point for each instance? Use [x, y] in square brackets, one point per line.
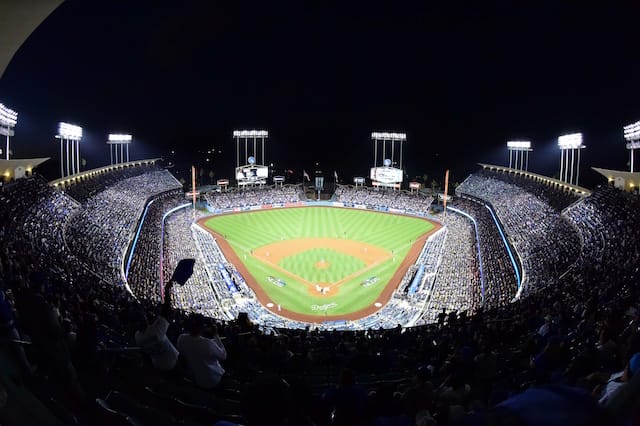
[549, 181]
[8, 167]
[621, 179]
[100, 170]
[17, 21]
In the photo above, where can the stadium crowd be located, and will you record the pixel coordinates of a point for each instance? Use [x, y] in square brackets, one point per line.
[457, 284]
[553, 195]
[573, 345]
[100, 232]
[546, 242]
[197, 294]
[84, 187]
[142, 266]
[375, 198]
[254, 197]
[500, 282]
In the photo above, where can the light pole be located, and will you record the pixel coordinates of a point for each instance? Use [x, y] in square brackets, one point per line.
[521, 150]
[8, 120]
[388, 175]
[256, 158]
[119, 141]
[569, 144]
[69, 133]
[632, 136]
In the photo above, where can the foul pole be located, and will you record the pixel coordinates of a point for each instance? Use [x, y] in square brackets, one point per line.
[446, 189]
[193, 189]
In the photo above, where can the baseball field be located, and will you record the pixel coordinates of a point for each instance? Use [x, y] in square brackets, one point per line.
[320, 263]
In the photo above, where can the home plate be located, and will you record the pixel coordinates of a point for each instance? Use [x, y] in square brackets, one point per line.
[377, 304]
[269, 305]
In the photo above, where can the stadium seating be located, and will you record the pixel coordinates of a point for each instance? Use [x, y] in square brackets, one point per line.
[574, 325]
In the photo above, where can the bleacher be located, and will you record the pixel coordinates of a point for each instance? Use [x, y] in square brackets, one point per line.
[576, 329]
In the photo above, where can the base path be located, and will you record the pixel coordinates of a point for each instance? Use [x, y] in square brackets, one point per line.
[263, 298]
[369, 254]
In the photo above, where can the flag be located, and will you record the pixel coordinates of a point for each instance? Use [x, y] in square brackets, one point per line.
[306, 175]
[335, 175]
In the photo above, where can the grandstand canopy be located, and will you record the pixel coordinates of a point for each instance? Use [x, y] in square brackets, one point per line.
[8, 167]
[626, 181]
[18, 20]
[540, 178]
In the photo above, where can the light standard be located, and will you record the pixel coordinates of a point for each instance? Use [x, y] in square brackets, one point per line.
[521, 150]
[8, 120]
[118, 140]
[570, 144]
[632, 136]
[69, 133]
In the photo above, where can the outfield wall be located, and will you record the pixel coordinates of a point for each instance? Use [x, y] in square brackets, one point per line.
[322, 204]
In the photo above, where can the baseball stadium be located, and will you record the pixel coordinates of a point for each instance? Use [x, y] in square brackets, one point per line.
[232, 278]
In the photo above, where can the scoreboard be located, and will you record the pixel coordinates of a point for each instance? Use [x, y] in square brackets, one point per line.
[252, 174]
[386, 176]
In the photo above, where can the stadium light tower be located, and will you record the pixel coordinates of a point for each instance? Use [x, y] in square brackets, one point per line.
[118, 140]
[521, 150]
[69, 133]
[632, 136]
[8, 120]
[384, 137]
[240, 135]
[570, 143]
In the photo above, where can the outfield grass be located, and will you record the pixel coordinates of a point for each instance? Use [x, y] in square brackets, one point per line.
[249, 231]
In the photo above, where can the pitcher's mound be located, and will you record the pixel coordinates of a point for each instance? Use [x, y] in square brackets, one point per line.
[322, 264]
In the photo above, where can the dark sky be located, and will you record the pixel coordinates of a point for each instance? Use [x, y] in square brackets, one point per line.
[320, 76]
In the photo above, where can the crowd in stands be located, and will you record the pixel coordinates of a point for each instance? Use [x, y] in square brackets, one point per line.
[254, 197]
[374, 198]
[555, 196]
[196, 295]
[573, 345]
[143, 273]
[83, 188]
[545, 241]
[31, 218]
[457, 284]
[500, 282]
[102, 230]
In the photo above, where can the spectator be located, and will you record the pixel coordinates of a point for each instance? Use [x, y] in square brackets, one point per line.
[610, 384]
[202, 355]
[346, 400]
[153, 339]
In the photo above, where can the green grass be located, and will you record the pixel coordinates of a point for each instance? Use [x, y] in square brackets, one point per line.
[250, 230]
[341, 265]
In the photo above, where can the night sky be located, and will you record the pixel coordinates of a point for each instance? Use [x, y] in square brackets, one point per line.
[320, 76]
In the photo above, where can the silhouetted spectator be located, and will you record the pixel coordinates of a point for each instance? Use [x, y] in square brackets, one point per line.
[202, 355]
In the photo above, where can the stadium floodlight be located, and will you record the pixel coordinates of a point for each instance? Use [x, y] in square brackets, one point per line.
[632, 132]
[121, 138]
[519, 144]
[389, 136]
[521, 150]
[250, 134]
[70, 131]
[8, 120]
[244, 136]
[8, 117]
[570, 141]
[632, 136]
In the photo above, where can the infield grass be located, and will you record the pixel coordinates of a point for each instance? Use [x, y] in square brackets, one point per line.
[303, 267]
